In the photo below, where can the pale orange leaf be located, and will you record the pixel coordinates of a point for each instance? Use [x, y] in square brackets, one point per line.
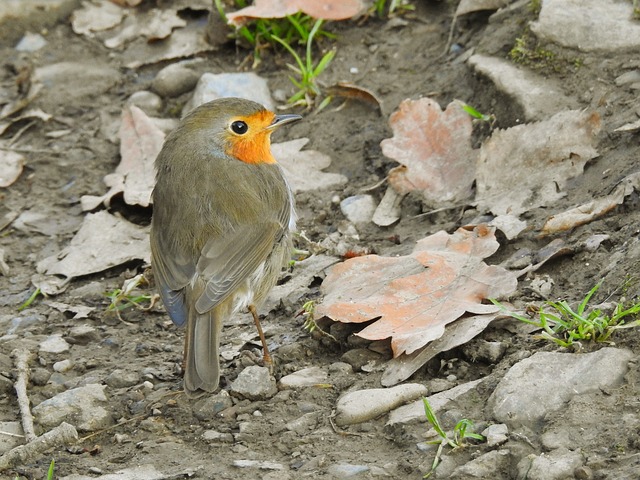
[322, 9]
[434, 148]
[415, 296]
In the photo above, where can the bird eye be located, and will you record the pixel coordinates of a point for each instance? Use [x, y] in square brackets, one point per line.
[239, 127]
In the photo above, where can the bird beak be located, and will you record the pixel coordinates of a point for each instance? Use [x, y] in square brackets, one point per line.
[280, 120]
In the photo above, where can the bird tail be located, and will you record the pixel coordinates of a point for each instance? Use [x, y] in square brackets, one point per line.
[202, 352]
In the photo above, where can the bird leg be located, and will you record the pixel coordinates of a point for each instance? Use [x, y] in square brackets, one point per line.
[266, 358]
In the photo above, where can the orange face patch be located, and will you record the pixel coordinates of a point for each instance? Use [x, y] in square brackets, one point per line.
[255, 145]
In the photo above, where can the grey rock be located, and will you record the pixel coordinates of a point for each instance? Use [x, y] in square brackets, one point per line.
[254, 383]
[147, 101]
[489, 465]
[120, 378]
[54, 344]
[40, 376]
[358, 357]
[63, 366]
[215, 436]
[363, 405]
[589, 25]
[244, 85]
[266, 465]
[628, 77]
[340, 368]
[174, 80]
[436, 385]
[414, 412]
[556, 465]
[208, 407]
[306, 377]
[538, 97]
[358, 208]
[84, 406]
[496, 434]
[347, 470]
[484, 351]
[83, 335]
[79, 80]
[31, 42]
[546, 381]
[304, 424]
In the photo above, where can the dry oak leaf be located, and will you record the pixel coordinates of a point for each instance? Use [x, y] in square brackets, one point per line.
[434, 148]
[140, 142]
[414, 297]
[323, 9]
[528, 166]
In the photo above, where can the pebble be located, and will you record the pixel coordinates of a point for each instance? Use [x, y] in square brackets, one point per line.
[628, 77]
[76, 80]
[561, 376]
[211, 86]
[304, 424]
[347, 470]
[358, 357]
[363, 405]
[555, 465]
[83, 335]
[31, 42]
[120, 378]
[484, 351]
[215, 436]
[358, 208]
[262, 465]
[340, 368]
[488, 465]
[40, 376]
[210, 406]
[147, 101]
[63, 366]
[84, 405]
[306, 377]
[496, 434]
[254, 383]
[174, 80]
[54, 344]
[436, 385]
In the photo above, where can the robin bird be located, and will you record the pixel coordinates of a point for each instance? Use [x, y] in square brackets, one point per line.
[223, 214]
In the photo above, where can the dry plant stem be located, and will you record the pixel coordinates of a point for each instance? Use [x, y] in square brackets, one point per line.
[21, 358]
[63, 434]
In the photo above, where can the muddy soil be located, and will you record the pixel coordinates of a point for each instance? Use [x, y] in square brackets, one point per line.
[397, 59]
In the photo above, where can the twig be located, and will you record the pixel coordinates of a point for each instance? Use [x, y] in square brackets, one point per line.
[22, 358]
[63, 434]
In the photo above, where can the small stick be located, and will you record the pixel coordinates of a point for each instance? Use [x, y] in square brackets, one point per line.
[63, 434]
[22, 358]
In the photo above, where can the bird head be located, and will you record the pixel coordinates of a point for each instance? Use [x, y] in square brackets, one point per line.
[243, 127]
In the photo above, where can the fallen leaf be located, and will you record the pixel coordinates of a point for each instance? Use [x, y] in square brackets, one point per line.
[388, 210]
[79, 311]
[414, 297]
[140, 143]
[592, 210]
[354, 92]
[303, 168]
[104, 241]
[96, 16]
[528, 166]
[470, 6]
[455, 334]
[434, 148]
[322, 9]
[629, 127]
[510, 225]
[11, 165]
[153, 25]
[48, 220]
[34, 113]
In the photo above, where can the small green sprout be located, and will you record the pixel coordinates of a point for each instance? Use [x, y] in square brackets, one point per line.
[478, 115]
[308, 71]
[125, 297]
[564, 326]
[310, 325]
[30, 300]
[379, 7]
[52, 466]
[461, 432]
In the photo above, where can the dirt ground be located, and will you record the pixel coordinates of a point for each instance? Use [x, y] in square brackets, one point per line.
[398, 59]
